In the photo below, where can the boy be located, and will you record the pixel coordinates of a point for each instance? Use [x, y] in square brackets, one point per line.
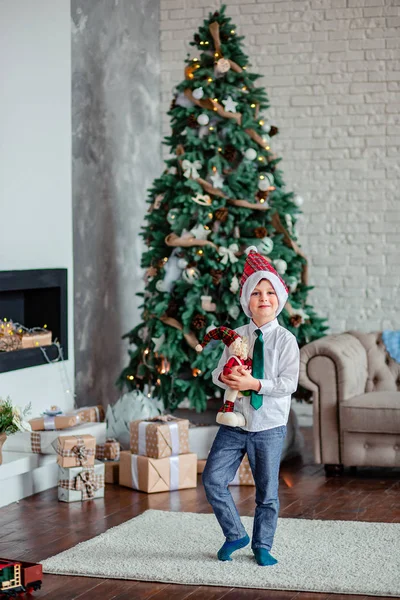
[274, 378]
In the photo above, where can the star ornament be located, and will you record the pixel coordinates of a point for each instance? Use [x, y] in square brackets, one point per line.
[199, 232]
[217, 180]
[230, 105]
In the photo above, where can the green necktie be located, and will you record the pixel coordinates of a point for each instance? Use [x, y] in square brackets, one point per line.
[257, 368]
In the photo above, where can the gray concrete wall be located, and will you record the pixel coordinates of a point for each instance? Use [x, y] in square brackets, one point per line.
[116, 135]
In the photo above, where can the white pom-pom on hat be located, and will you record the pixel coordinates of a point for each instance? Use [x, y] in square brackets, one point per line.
[251, 249]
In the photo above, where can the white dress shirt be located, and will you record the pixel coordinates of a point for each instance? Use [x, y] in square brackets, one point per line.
[281, 374]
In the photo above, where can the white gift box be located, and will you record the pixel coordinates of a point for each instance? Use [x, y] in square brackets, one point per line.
[201, 438]
[40, 442]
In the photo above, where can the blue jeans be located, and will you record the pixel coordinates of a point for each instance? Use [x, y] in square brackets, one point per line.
[264, 450]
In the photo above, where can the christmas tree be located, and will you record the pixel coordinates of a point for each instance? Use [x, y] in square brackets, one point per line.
[221, 192]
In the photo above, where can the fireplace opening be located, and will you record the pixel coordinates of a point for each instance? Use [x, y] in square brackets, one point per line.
[34, 298]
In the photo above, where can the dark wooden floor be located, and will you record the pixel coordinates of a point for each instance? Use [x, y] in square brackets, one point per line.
[40, 526]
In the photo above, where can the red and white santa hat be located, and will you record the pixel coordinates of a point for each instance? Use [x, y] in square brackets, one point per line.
[257, 268]
[223, 333]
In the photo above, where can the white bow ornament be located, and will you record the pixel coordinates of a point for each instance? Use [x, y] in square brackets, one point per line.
[190, 168]
[228, 254]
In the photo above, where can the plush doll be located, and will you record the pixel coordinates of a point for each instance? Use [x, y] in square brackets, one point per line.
[238, 350]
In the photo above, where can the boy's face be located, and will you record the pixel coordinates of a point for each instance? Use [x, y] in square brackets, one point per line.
[263, 302]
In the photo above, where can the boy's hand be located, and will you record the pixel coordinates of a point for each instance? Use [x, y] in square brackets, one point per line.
[241, 380]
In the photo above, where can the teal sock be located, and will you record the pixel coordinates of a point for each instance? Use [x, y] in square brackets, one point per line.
[224, 553]
[263, 557]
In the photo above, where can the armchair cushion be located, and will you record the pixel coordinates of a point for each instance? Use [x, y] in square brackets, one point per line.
[375, 412]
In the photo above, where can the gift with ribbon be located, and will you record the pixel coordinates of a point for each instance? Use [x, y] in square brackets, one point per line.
[81, 483]
[110, 450]
[158, 474]
[111, 471]
[90, 414]
[160, 437]
[243, 475]
[75, 451]
[48, 423]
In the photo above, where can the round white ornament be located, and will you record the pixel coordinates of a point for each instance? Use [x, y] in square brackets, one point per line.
[160, 286]
[250, 154]
[172, 215]
[292, 282]
[198, 93]
[223, 65]
[203, 119]
[182, 263]
[190, 275]
[298, 200]
[263, 185]
[265, 246]
[280, 265]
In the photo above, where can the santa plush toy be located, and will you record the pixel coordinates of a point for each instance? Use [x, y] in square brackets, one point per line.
[238, 350]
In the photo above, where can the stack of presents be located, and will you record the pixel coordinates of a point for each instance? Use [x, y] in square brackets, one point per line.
[166, 453]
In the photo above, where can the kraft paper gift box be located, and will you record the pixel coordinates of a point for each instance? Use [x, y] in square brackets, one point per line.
[41, 442]
[110, 450]
[158, 474]
[76, 484]
[201, 465]
[160, 437]
[47, 423]
[243, 475]
[90, 414]
[111, 471]
[75, 450]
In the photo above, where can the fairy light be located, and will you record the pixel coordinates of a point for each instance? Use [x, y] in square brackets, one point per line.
[165, 259]
[266, 147]
[253, 105]
[262, 201]
[206, 43]
[261, 122]
[214, 168]
[211, 128]
[195, 59]
[215, 99]
[209, 79]
[200, 252]
[131, 377]
[262, 177]
[146, 351]
[201, 43]
[196, 372]
[210, 215]
[206, 227]
[233, 31]
[261, 158]
[158, 381]
[216, 54]
[244, 88]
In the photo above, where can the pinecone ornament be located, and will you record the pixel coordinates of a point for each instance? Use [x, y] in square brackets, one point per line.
[216, 275]
[221, 214]
[273, 131]
[229, 153]
[192, 122]
[172, 309]
[199, 322]
[260, 232]
[295, 320]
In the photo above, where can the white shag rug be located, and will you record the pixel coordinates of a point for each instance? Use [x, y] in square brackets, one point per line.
[346, 557]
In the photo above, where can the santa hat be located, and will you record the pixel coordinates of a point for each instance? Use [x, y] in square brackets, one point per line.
[257, 268]
[218, 333]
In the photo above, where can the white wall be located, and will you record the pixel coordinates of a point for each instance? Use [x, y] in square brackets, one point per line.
[331, 71]
[35, 167]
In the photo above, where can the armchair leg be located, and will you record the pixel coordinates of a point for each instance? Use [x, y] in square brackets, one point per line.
[333, 470]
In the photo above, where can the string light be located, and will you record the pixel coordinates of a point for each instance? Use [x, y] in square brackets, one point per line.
[262, 201]
[214, 169]
[253, 105]
[216, 54]
[146, 351]
[158, 381]
[131, 377]
[199, 252]
[261, 177]
[196, 372]
[210, 215]
[195, 59]
[244, 88]
[209, 79]
[261, 122]
[215, 99]
[219, 149]
[233, 31]
[165, 259]
[206, 43]
[267, 147]
[211, 128]
[201, 43]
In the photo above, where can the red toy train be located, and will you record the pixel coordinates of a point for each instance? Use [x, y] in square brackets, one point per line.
[18, 576]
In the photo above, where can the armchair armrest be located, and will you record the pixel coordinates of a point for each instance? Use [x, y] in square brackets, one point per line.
[334, 368]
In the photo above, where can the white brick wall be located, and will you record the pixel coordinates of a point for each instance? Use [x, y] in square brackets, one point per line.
[332, 73]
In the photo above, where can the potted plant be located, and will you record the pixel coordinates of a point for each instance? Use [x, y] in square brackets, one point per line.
[12, 419]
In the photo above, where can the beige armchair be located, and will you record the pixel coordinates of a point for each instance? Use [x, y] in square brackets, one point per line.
[356, 400]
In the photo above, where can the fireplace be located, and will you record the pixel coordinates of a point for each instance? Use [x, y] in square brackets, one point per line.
[34, 298]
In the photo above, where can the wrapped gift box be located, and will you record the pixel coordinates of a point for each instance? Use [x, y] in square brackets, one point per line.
[158, 474]
[90, 414]
[110, 450]
[160, 437]
[35, 339]
[41, 442]
[201, 438]
[243, 476]
[76, 484]
[201, 465]
[111, 471]
[47, 423]
[75, 450]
